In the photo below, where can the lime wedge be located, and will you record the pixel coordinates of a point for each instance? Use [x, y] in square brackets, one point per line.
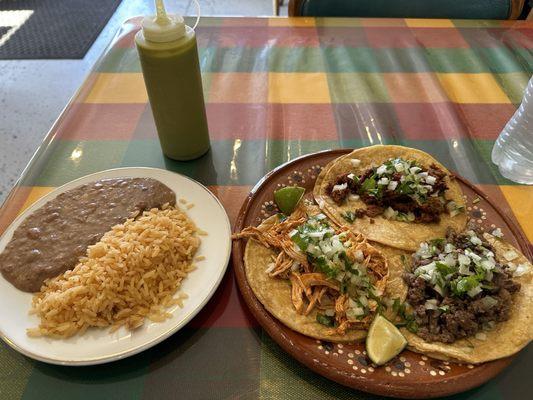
[287, 198]
[384, 341]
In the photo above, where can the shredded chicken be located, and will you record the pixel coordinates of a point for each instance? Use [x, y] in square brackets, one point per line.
[312, 289]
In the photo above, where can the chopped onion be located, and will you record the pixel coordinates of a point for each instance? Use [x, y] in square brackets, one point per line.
[359, 256]
[463, 260]
[295, 266]
[293, 232]
[475, 240]
[329, 312]
[489, 301]
[355, 162]
[439, 290]
[350, 176]
[431, 180]
[320, 216]
[414, 170]
[382, 169]
[448, 248]
[449, 260]
[399, 166]
[389, 213]
[481, 336]
[521, 269]
[392, 185]
[431, 304]
[488, 264]
[510, 255]
[497, 232]
[464, 270]
[339, 187]
[474, 291]
[353, 197]
[383, 181]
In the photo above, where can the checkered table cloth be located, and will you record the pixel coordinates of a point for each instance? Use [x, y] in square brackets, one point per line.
[276, 89]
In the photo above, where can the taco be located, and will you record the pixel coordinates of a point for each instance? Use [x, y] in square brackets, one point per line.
[470, 298]
[393, 195]
[322, 281]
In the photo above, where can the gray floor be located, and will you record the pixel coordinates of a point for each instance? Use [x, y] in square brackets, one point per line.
[34, 92]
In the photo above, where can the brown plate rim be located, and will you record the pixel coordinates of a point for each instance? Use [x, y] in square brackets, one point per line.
[461, 383]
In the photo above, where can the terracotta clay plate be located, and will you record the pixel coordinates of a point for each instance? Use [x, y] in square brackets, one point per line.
[410, 375]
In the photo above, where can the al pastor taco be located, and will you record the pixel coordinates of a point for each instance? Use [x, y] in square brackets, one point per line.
[393, 195]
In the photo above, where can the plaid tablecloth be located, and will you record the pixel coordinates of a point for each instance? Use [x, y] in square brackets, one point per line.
[276, 89]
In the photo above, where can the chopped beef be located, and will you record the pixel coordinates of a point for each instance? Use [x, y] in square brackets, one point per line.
[373, 210]
[426, 212]
[339, 196]
[458, 317]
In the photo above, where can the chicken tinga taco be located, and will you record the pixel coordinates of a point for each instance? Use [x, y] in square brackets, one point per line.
[470, 298]
[382, 191]
[317, 279]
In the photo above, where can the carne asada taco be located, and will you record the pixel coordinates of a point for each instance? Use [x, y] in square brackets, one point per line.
[319, 280]
[470, 295]
[393, 195]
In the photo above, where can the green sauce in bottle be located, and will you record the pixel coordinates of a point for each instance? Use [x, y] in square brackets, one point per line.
[169, 60]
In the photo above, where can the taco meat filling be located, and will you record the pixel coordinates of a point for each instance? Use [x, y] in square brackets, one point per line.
[457, 288]
[335, 272]
[398, 189]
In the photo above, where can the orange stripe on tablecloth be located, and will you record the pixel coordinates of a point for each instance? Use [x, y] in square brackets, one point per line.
[12, 206]
[20, 199]
[520, 199]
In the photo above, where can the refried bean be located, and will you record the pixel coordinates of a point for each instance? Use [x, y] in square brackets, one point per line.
[51, 240]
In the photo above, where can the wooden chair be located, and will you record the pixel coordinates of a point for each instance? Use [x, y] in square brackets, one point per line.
[459, 9]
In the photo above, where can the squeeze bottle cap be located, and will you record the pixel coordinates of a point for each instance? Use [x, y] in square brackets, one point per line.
[163, 28]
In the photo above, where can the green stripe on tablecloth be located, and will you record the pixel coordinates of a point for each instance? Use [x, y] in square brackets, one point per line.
[14, 372]
[213, 363]
[513, 84]
[295, 59]
[455, 60]
[282, 377]
[244, 162]
[350, 59]
[402, 60]
[341, 59]
[118, 380]
[68, 160]
[501, 60]
[357, 88]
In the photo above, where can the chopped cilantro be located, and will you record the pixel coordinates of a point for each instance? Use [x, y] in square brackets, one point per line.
[349, 216]
[325, 320]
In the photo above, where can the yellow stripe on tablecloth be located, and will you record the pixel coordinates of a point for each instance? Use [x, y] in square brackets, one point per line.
[35, 194]
[118, 88]
[429, 23]
[520, 198]
[298, 88]
[473, 88]
[294, 22]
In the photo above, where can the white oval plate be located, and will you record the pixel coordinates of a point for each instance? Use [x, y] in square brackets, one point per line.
[98, 346]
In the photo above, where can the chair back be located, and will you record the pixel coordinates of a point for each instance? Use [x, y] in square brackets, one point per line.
[453, 9]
